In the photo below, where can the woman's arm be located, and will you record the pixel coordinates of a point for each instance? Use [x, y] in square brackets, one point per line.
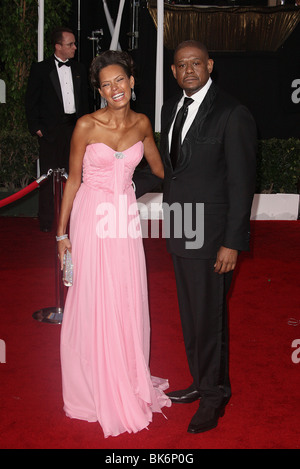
[77, 149]
[150, 150]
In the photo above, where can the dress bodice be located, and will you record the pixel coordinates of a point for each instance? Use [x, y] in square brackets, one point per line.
[109, 170]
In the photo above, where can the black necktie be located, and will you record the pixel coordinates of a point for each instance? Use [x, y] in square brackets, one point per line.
[177, 129]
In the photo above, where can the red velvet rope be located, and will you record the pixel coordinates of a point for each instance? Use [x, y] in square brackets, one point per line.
[19, 194]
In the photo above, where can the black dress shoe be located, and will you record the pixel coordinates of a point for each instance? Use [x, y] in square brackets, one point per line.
[206, 418]
[185, 396]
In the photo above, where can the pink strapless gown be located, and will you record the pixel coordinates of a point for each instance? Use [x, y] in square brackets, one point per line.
[105, 333]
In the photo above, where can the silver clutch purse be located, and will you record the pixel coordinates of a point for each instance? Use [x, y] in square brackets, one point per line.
[68, 270]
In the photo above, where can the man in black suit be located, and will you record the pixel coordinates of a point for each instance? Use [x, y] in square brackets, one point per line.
[56, 96]
[211, 177]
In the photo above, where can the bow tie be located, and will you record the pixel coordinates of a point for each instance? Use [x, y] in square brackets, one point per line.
[67, 64]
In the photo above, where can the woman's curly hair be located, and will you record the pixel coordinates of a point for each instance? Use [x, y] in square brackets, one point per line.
[110, 57]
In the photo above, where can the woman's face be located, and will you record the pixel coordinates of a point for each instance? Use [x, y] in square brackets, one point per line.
[115, 86]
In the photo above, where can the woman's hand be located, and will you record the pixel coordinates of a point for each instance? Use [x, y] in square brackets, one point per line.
[62, 247]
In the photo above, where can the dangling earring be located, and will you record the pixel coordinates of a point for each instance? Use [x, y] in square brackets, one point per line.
[133, 95]
[103, 102]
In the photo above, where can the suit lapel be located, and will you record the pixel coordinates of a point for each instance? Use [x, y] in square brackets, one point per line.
[55, 80]
[193, 131]
[195, 128]
[202, 112]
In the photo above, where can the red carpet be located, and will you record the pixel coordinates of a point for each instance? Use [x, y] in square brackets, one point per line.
[264, 411]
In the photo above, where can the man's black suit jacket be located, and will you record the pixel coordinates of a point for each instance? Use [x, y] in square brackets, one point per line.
[216, 168]
[44, 102]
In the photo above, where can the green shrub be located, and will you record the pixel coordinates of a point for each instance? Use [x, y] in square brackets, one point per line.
[278, 166]
[18, 155]
[18, 46]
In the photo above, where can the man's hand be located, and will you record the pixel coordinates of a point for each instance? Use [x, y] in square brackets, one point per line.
[226, 260]
[39, 133]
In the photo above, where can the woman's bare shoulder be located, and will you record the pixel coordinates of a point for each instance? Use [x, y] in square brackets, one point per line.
[88, 120]
[142, 121]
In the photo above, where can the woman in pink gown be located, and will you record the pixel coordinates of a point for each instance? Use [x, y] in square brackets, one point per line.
[105, 331]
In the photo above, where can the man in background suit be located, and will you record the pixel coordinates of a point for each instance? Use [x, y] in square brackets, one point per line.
[213, 181]
[56, 96]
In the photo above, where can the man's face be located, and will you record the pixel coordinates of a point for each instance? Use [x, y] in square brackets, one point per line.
[67, 48]
[192, 68]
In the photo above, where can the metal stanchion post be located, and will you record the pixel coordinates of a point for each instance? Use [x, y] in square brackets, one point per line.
[57, 189]
[54, 315]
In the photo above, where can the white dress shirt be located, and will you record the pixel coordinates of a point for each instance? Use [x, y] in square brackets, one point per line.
[192, 109]
[67, 89]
